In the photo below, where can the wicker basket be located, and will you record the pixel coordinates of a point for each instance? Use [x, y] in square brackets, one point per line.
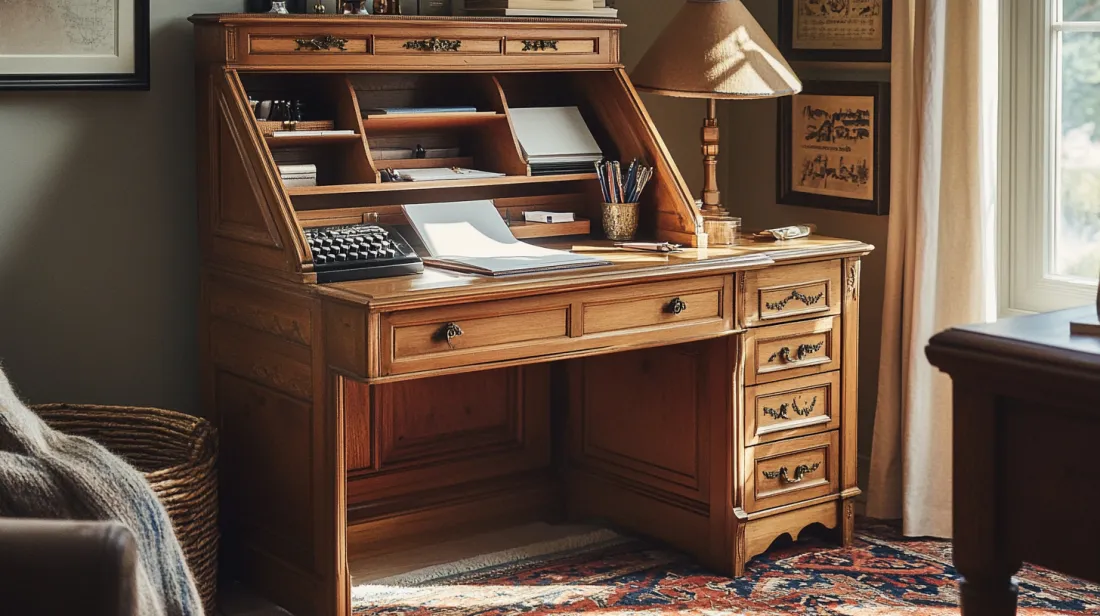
[177, 453]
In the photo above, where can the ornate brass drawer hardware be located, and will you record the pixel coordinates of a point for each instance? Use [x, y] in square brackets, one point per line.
[781, 412]
[800, 473]
[802, 297]
[540, 45]
[322, 43]
[448, 333]
[804, 412]
[800, 354]
[434, 44]
[677, 306]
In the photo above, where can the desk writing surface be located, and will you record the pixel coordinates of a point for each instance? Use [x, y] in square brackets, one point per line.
[627, 266]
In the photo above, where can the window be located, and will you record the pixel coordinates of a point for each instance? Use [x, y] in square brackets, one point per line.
[1050, 153]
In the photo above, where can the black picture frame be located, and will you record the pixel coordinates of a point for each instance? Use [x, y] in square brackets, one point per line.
[785, 193]
[786, 40]
[139, 79]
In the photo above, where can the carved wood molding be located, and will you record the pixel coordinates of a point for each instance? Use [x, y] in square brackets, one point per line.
[852, 282]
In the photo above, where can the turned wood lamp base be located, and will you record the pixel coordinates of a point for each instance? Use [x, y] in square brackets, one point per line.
[720, 227]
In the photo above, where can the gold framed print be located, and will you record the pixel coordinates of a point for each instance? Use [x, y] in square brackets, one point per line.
[834, 147]
[835, 30]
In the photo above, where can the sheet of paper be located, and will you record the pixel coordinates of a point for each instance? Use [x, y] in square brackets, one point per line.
[435, 174]
[472, 234]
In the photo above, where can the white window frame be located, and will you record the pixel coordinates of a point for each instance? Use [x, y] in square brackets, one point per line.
[1029, 133]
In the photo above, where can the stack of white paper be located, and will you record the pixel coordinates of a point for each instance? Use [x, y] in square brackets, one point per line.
[438, 174]
[470, 236]
[556, 140]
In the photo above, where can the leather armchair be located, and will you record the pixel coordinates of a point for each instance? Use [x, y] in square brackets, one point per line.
[52, 568]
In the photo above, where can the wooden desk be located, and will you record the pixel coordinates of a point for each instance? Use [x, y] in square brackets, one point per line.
[706, 398]
[1026, 486]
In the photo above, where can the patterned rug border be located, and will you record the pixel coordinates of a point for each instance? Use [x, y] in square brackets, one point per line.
[884, 573]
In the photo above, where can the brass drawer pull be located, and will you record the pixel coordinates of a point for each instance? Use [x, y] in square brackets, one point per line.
[677, 306]
[541, 45]
[434, 44]
[800, 473]
[781, 412]
[322, 43]
[796, 294]
[800, 354]
[448, 333]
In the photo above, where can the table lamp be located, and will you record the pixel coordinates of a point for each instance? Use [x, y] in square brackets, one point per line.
[714, 49]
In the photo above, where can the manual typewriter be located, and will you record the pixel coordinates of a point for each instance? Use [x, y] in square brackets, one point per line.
[361, 251]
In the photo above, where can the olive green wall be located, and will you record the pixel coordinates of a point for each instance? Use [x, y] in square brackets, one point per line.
[98, 248]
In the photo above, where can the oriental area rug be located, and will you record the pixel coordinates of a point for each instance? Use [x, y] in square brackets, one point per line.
[607, 573]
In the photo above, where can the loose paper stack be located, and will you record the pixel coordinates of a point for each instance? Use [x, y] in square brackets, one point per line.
[471, 236]
[556, 140]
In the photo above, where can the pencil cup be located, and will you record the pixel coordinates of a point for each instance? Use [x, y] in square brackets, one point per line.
[620, 221]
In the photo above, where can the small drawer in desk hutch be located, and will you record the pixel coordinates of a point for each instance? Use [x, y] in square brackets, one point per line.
[310, 44]
[792, 292]
[404, 45]
[791, 471]
[792, 350]
[547, 46]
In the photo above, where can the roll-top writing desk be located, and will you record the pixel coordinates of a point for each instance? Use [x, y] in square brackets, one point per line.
[706, 398]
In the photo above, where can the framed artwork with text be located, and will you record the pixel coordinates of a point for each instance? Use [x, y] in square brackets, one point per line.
[835, 30]
[74, 44]
[834, 147]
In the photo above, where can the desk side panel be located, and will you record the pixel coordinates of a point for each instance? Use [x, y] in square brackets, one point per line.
[282, 490]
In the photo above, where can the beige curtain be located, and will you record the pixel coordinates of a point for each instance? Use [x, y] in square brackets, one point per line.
[939, 269]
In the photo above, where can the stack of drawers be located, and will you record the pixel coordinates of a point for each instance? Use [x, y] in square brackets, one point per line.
[792, 406]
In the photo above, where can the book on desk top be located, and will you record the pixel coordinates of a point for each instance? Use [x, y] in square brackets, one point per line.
[601, 13]
[565, 5]
[471, 236]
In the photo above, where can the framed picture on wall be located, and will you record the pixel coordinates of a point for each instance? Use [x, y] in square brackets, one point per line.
[74, 45]
[834, 147]
[835, 30]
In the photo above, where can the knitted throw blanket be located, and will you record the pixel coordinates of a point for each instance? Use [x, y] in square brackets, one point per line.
[46, 474]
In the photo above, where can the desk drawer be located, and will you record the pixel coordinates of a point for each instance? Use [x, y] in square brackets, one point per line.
[792, 350]
[308, 44]
[666, 304]
[795, 407]
[792, 292]
[446, 45]
[791, 471]
[448, 337]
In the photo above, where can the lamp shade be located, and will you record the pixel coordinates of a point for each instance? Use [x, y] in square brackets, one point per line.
[715, 49]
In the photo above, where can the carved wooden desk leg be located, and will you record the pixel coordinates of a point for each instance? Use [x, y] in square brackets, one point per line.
[988, 587]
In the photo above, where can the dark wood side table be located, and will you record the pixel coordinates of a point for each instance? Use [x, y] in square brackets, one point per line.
[1026, 452]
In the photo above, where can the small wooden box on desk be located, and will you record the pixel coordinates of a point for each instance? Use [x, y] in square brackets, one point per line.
[706, 398]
